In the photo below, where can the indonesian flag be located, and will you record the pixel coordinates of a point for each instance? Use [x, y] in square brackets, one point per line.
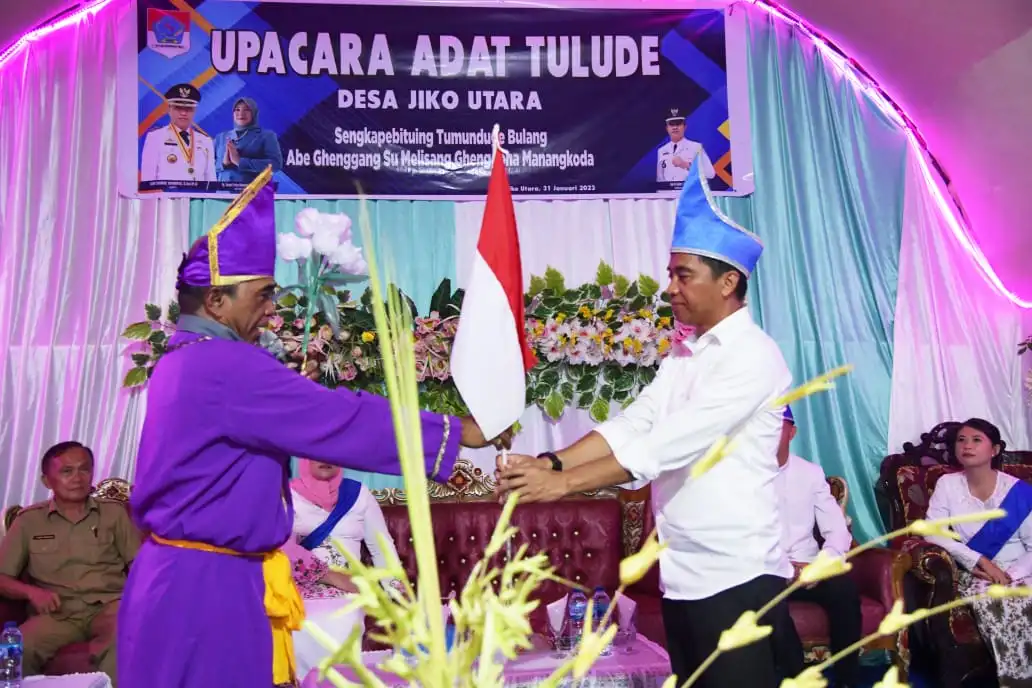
[490, 355]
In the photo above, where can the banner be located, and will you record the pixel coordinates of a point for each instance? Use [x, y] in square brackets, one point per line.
[399, 101]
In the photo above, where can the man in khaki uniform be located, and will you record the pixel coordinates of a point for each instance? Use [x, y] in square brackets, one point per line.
[74, 552]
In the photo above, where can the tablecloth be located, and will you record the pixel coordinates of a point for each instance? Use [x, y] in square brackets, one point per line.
[646, 665]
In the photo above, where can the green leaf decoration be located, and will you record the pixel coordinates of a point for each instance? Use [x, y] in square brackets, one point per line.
[550, 378]
[566, 389]
[647, 286]
[537, 285]
[554, 281]
[135, 377]
[328, 307]
[599, 411]
[138, 331]
[620, 286]
[441, 298]
[552, 385]
[340, 279]
[554, 405]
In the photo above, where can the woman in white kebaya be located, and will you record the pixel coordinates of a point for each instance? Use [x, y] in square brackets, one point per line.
[328, 509]
[991, 552]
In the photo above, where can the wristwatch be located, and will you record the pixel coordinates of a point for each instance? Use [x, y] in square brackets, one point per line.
[557, 465]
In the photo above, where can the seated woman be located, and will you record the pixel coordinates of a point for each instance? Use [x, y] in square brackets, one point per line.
[990, 552]
[328, 508]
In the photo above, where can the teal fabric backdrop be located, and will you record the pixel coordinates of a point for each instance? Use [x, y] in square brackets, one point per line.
[418, 238]
[829, 206]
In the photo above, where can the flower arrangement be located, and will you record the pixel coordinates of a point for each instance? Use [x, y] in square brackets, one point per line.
[597, 344]
[326, 258]
[1023, 347]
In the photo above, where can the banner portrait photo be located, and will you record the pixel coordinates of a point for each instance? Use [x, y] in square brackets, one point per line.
[398, 101]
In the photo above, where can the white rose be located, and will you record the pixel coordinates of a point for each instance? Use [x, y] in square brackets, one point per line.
[291, 247]
[325, 240]
[307, 221]
[349, 259]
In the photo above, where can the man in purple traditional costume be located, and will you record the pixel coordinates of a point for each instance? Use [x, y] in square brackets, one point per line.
[210, 600]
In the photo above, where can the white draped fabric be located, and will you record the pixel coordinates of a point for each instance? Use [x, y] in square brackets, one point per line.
[77, 262]
[955, 337]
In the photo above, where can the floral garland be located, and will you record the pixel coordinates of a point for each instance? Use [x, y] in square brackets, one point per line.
[597, 344]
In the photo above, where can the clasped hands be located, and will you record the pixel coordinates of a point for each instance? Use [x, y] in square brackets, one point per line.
[530, 477]
[988, 571]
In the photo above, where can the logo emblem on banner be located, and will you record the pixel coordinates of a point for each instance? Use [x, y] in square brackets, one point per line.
[168, 32]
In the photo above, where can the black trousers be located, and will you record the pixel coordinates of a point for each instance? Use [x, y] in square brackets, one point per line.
[839, 599]
[693, 628]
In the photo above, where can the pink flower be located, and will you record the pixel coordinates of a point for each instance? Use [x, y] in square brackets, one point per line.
[680, 336]
[299, 323]
[348, 372]
[274, 323]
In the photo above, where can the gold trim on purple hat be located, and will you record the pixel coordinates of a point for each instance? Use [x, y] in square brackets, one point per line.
[232, 213]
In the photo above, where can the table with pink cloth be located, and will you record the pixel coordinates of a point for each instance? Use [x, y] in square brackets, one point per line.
[645, 665]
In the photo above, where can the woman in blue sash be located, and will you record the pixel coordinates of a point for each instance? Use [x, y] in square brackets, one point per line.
[991, 552]
[329, 507]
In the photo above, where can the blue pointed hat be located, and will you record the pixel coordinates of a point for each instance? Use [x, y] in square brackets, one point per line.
[701, 229]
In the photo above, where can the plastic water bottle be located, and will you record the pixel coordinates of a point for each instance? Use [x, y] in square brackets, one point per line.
[601, 603]
[577, 607]
[11, 656]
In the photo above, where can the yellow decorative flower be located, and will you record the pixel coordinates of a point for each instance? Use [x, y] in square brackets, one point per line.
[821, 383]
[591, 646]
[634, 567]
[560, 317]
[584, 312]
[895, 621]
[891, 680]
[932, 528]
[645, 313]
[663, 346]
[368, 337]
[664, 321]
[998, 592]
[718, 451]
[810, 678]
[607, 317]
[823, 567]
[744, 632]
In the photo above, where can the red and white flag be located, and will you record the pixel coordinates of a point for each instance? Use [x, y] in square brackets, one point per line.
[490, 354]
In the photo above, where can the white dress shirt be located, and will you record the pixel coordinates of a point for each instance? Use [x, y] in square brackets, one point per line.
[952, 497]
[667, 171]
[805, 499]
[722, 529]
[363, 522]
[164, 157]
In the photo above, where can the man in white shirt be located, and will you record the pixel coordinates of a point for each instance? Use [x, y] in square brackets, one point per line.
[807, 508]
[178, 151]
[724, 556]
[675, 157]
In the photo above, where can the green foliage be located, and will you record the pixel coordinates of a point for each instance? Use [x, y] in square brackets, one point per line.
[342, 341]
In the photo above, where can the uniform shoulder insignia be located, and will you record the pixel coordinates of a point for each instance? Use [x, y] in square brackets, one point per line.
[37, 505]
[24, 510]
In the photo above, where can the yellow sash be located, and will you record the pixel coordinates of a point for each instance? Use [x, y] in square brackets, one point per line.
[283, 603]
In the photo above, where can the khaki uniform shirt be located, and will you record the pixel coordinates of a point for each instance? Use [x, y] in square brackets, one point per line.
[84, 562]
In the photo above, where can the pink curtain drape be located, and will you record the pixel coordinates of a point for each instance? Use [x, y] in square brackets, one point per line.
[77, 262]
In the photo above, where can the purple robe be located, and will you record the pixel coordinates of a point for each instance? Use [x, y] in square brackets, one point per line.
[223, 419]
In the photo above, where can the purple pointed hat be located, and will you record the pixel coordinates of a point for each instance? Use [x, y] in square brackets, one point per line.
[241, 246]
